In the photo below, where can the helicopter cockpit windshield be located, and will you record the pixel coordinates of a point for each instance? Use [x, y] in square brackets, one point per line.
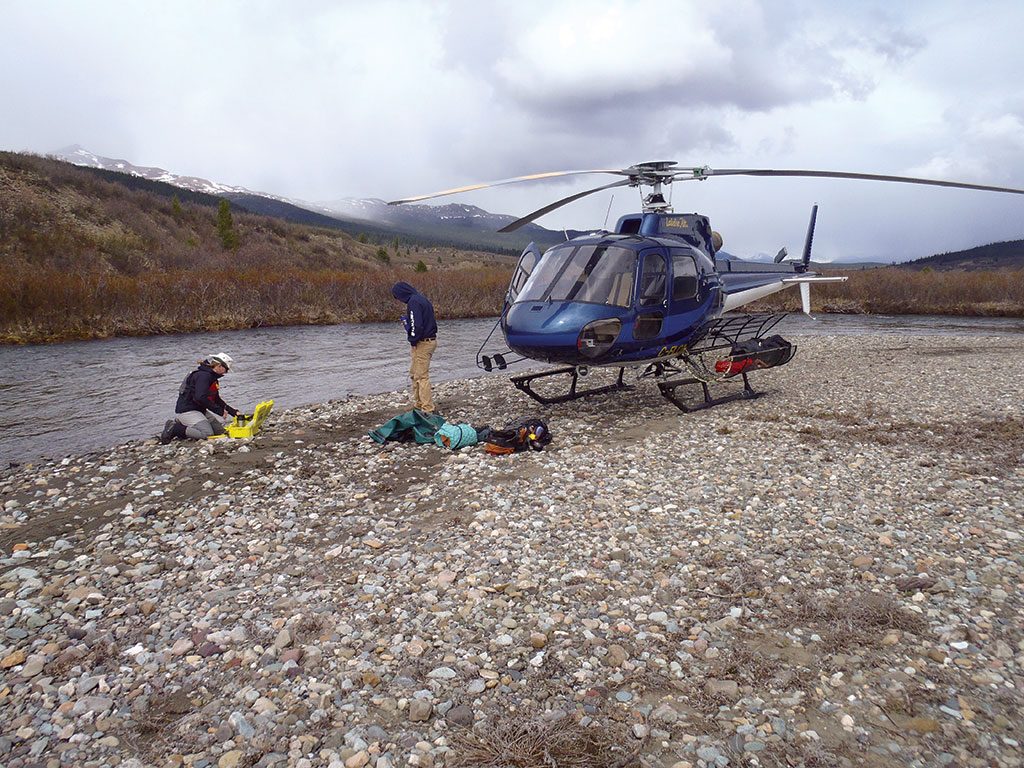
[597, 274]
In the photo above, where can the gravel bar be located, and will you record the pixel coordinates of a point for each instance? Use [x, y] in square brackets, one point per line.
[828, 575]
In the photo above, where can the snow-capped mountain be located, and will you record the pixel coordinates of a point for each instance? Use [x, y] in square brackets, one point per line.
[79, 155]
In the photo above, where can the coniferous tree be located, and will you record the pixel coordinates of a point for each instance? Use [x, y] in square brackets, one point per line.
[420, 266]
[176, 207]
[226, 226]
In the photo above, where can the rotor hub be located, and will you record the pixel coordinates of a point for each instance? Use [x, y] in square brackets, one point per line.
[652, 174]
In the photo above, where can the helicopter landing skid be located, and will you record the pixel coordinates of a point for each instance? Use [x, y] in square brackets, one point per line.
[668, 391]
[524, 381]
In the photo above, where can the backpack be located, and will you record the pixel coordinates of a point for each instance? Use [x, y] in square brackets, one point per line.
[187, 383]
[524, 434]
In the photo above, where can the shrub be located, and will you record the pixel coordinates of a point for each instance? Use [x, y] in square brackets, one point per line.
[52, 304]
[896, 291]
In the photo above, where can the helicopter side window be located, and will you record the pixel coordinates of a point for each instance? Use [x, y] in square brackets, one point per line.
[653, 278]
[684, 277]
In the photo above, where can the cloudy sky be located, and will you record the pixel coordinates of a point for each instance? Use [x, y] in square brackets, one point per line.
[322, 100]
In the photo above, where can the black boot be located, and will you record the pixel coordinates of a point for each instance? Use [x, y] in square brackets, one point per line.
[172, 431]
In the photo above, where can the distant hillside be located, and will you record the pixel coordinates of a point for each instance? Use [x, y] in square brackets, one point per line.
[67, 216]
[464, 227]
[1007, 255]
[84, 219]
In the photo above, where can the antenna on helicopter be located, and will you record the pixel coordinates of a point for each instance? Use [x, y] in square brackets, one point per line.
[608, 212]
[783, 253]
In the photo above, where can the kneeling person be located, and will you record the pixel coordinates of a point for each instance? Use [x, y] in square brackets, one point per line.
[200, 411]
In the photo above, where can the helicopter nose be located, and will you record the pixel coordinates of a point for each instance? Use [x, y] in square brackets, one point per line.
[550, 331]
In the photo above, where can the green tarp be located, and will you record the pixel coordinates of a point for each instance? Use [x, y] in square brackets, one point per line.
[414, 426]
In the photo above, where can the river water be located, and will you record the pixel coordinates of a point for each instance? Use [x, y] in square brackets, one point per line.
[60, 399]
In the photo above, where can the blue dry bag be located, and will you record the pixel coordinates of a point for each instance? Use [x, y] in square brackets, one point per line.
[455, 436]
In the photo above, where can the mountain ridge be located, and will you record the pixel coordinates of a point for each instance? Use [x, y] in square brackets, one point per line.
[1008, 254]
[455, 224]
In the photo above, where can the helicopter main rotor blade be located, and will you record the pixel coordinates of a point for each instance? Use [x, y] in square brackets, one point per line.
[558, 204]
[705, 172]
[486, 184]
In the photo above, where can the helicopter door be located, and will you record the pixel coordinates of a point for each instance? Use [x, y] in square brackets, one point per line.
[527, 262]
[651, 295]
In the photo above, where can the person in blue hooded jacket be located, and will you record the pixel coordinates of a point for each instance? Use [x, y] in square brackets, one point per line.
[421, 328]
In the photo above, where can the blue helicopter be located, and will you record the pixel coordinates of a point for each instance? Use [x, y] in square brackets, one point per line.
[655, 293]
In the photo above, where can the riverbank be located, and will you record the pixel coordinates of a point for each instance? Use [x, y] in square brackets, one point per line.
[42, 305]
[46, 306]
[829, 573]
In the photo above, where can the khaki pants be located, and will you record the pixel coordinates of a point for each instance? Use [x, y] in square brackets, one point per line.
[419, 372]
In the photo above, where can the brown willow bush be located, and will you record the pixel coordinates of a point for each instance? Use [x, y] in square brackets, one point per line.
[896, 291]
[47, 304]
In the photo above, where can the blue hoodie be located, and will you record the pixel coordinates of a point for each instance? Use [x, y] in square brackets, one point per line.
[420, 322]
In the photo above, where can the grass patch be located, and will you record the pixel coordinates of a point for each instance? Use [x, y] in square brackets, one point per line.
[516, 742]
[93, 660]
[854, 620]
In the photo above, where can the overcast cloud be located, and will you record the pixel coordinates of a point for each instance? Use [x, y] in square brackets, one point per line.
[321, 100]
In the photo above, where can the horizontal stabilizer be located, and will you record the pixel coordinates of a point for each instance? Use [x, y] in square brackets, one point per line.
[814, 279]
[745, 295]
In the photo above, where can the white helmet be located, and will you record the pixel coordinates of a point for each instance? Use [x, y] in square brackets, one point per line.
[220, 358]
